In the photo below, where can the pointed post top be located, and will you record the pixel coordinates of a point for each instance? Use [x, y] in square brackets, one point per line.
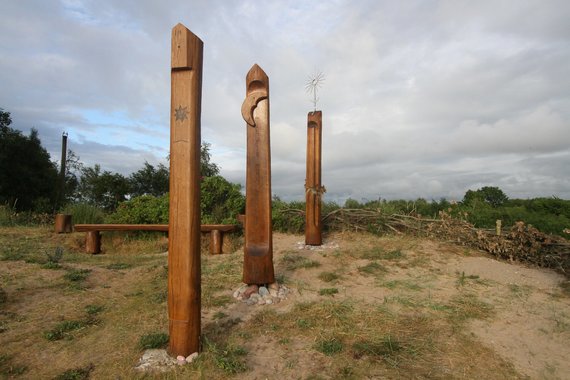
[256, 79]
[186, 48]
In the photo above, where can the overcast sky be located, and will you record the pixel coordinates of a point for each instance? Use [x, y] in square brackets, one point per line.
[421, 98]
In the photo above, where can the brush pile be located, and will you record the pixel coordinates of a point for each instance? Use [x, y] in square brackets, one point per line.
[522, 242]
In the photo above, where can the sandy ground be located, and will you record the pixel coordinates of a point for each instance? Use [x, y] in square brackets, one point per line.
[531, 327]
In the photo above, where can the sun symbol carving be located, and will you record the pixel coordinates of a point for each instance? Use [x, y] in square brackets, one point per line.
[181, 113]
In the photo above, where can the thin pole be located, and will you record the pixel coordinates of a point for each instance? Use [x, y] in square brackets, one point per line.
[184, 221]
[258, 251]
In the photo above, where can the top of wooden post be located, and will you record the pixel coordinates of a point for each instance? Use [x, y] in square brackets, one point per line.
[186, 48]
[257, 89]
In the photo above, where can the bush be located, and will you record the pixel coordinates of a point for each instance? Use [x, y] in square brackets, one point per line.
[221, 201]
[145, 209]
[84, 213]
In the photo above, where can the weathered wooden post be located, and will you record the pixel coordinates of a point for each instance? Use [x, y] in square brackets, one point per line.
[313, 185]
[258, 251]
[498, 227]
[184, 221]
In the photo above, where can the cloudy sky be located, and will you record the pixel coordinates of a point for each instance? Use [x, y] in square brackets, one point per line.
[421, 98]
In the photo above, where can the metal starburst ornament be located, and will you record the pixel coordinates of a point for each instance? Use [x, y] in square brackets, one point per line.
[313, 84]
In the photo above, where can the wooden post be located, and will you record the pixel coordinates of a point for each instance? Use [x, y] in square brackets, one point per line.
[61, 185]
[184, 221]
[62, 223]
[93, 242]
[258, 251]
[498, 227]
[216, 242]
[313, 185]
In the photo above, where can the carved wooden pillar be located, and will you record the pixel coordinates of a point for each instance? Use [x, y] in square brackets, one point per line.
[258, 255]
[184, 221]
[313, 185]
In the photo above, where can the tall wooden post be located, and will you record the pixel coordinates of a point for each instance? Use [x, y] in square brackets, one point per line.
[313, 185]
[184, 221]
[61, 179]
[258, 251]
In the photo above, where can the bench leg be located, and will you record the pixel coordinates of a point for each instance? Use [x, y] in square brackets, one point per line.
[215, 242]
[93, 242]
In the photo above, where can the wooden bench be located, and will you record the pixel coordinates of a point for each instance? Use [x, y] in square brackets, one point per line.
[93, 236]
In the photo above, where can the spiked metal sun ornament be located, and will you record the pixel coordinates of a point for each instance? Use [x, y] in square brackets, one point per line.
[313, 84]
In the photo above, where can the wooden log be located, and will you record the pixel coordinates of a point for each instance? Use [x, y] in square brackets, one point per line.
[184, 300]
[93, 242]
[63, 223]
[313, 185]
[216, 242]
[258, 250]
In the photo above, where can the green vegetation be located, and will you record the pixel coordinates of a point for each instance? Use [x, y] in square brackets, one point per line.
[80, 373]
[294, 261]
[328, 291]
[154, 340]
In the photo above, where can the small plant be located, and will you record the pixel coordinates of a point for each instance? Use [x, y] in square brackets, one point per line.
[462, 278]
[63, 330]
[93, 310]
[372, 268]
[81, 373]
[328, 276]
[220, 315]
[328, 291]
[227, 358]
[77, 275]
[8, 369]
[118, 266]
[54, 259]
[329, 346]
[156, 340]
[295, 261]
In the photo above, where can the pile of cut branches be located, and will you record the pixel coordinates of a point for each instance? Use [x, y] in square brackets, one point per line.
[521, 243]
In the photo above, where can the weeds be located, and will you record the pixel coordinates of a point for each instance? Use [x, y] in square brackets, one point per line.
[372, 268]
[63, 330]
[328, 276]
[154, 340]
[294, 261]
[328, 291]
[81, 373]
[8, 369]
[76, 277]
[227, 358]
[54, 259]
[329, 346]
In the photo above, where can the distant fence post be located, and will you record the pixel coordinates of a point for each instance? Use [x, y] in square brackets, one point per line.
[258, 251]
[498, 227]
[184, 299]
[313, 185]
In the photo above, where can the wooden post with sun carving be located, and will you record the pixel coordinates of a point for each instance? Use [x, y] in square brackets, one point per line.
[184, 299]
[258, 251]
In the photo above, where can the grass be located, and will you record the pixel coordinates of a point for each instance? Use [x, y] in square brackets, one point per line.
[104, 329]
[294, 261]
[153, 340]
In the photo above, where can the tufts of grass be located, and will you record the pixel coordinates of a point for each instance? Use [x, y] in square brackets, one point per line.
[154, 340]
[229, 359]
[328, 291]
[119, 266]
[81, 373]
[565, 287]
[406, 284]
[372, 268]
[328, 276]
[467, 306]
[77, 275]
[220, 315]
[385, 347]
[8, 369]
[329, 346]
[93, 310]
[378, 253]
[64, 330]
[295, 261]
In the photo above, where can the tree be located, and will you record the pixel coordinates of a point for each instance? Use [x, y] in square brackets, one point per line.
[220, 201]
[207, 168]
[150, 180]
[102, 189]
[491, 195]
[27, 175]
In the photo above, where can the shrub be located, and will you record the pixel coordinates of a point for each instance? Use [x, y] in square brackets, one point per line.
[156, 340]
[145, 209]
[84, 213]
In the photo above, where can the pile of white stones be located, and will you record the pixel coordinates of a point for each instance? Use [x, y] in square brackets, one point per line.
[159, 360]
[322, 247]
[261, 295]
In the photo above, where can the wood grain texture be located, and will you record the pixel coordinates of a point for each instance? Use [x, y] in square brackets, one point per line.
[313, 185]
[258, 250]
[63, 223]
[184, 299]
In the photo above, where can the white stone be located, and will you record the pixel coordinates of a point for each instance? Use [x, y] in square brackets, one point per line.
[263, 291]
[192, 357]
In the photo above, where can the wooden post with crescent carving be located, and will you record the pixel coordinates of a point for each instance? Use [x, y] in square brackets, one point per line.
[184, 220]
[313, 185]
[258, 251]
